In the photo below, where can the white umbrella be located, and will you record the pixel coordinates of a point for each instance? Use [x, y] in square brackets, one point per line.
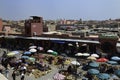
[75, 63]
[70, 44]
[86, 54]
[33, 50]
[50, 51]
[79, 54]
[58, 76]
[95, 55]
[32, 47]
[84, 44]
[40, 48]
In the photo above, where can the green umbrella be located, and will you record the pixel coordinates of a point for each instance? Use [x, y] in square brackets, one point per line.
[31, 59]
[54, 53]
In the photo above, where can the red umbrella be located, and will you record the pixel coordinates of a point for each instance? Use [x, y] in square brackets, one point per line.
[102, 60]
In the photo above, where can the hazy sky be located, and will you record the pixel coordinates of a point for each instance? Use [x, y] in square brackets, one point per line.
[60, 9]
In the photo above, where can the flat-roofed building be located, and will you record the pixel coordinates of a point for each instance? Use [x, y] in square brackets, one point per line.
[34, 26]
[1, 24]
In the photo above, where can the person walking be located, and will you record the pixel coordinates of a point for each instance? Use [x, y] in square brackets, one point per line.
[14, 75]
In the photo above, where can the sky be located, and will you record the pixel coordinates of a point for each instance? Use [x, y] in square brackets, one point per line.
[60, 9]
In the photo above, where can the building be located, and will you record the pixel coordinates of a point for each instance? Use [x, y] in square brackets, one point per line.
[1, 25]
[34, 26]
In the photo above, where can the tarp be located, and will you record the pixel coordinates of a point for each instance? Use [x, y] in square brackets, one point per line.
[2, 77]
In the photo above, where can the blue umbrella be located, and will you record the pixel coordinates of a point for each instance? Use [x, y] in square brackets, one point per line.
[17, 52]
[112, 62]
[94, 64]
[115, 58]
[93, 71]
[117, 72]
[27, 52]
[103, 76]
[25, 57]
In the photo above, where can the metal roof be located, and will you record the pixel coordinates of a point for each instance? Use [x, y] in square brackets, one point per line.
[49, 38]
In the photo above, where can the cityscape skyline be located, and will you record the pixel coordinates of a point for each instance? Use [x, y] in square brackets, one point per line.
[60, 9]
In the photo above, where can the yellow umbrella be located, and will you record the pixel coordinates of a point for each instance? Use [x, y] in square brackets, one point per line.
[91, 58]
[11, 54]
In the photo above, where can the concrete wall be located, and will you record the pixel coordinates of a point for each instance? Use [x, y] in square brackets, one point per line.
[1, 25]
